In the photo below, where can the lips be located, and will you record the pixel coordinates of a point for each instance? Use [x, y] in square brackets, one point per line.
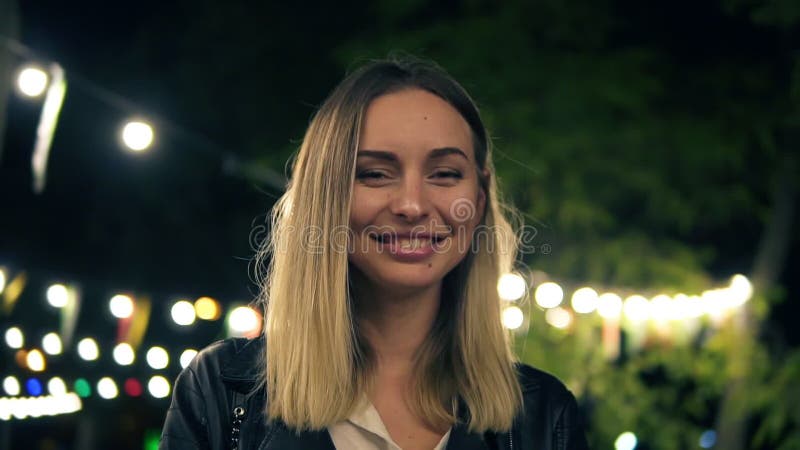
[409, 247]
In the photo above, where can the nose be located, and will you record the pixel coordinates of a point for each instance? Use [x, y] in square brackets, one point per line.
[409, 201]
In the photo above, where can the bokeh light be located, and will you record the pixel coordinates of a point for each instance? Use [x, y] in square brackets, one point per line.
[82, 388]
[626, 441]
[121, 306]
[57, 295]
[511, 286]
[584, 300]
[34, 387]
[512, 317]
[609, 305]
[11, 386]
[132, 387]
[636, 308]
[32, 81]
[549, 295]
[137, 136]
[183, 313]
[123, 354]
[56, 386]
[207, 308]
[14, 338]
[157, 357]
[558, 317]
[35, 360]
[158, 386]
[88, 350]
[51, 343]
[187, 356]
[107, 388]
[242, 321]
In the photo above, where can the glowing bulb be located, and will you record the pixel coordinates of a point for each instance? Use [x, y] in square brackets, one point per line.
[56, 386]
[740, 290]
[511, 286]
[51, 344]
[32, 81]
[183, 313]
[87, 349]
[157, 358]
[57, 295]
[661, 307]
[625, 441]
[35, 360]
[243, 320]
[121, 306]
[206, 308]
[636, 308]
[549, 295]
[11, 386]
[187, 356]
[558, 317]
[609, 305]
[137, 135]
[123, 354]
[14, 338]
[107, 388]
[2, 280]
[512, 317]
[584, 300]
[158, 386]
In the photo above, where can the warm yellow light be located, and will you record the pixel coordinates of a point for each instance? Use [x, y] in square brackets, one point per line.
[123, 354]
[32, 81]
[35, 360]
[636, 308]
[157, 358]
[661, 308]
[158, 386]
[584, 300]
[558, 317]
[56, 386]
[739, 291]
[107, 388]
[137, 136]
[88, 350]
[511, 286]
[207, 308]
[51, 343]
[242, 321]
[609, 305]
[187, 356]
[14, 338]
[512, 317]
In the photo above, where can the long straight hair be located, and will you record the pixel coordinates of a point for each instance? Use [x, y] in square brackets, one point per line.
[318, 366]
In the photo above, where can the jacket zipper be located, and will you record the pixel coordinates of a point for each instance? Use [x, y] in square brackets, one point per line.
[511, 440]
[236, 425]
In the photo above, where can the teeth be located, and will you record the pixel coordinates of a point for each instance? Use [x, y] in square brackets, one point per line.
[409, 244]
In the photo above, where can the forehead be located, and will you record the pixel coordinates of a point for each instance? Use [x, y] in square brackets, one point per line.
[414, 120]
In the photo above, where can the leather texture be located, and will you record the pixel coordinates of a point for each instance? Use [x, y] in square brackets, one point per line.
[224, 376]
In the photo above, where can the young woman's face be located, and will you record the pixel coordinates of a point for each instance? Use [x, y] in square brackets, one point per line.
[416, 196]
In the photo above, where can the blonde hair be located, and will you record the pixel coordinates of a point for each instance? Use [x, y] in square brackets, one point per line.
[318, 366]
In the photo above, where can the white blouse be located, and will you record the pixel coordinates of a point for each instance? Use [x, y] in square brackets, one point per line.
[364, 430]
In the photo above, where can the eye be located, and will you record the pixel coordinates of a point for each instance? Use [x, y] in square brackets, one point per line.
[448, 174]
[371, 174]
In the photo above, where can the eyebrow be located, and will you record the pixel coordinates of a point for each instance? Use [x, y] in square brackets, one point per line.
[434, 154]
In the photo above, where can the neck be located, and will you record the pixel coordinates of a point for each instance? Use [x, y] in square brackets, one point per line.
[395, 323]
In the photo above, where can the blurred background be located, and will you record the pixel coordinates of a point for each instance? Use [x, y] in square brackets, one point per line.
[651, 147]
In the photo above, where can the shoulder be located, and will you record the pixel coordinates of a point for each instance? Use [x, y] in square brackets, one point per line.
[542, 391]
[234, 358]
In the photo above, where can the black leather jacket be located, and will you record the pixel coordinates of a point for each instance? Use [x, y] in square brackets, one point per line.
[213, 407]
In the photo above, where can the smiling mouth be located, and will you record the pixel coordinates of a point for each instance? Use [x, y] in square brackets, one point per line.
[407, 242]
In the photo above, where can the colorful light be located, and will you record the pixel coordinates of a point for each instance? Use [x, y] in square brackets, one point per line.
[207, 308]
[34, 387]
[35, 360]
[133, 387]
[83, 388]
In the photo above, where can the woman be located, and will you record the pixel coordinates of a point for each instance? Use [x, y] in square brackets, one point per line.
[382, 315]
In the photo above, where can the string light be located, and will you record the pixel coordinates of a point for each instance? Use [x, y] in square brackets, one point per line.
[584, 300]
[626, 441]
[549, 295]
[183, 313]
[137, 135]
[511, 286]
[207, 308]
[512, 317]
[32, 81]
[609, 305]
[88, 350]
[123, 354]
[56, 386]
[121, 306]
[14, 338]
[107, 388]
[51, 344]
[158, 386]
[187, 356]
[57, 295]
[2, 280]
[35, 360]
[11, 386]
[558, 317]
[242, 321]
[157, 358]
